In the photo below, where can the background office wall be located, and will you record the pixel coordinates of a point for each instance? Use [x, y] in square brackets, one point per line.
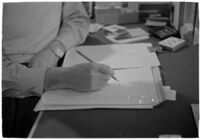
[176, 14]
[134, 6]
[108, 4]
[183, 12]
[189, 22]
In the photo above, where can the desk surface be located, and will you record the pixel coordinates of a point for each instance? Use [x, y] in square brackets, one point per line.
[179, 70]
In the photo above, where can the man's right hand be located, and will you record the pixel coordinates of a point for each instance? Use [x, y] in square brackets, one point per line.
[84, 77]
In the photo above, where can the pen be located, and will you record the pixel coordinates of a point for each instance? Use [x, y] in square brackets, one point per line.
[124, 68]
[90, 60]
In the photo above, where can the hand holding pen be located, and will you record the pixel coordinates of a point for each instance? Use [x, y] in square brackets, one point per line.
[91, 61]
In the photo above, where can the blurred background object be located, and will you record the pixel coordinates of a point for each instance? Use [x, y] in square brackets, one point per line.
[179, 16]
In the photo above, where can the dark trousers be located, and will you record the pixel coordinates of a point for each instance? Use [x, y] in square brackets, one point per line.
[18, 116]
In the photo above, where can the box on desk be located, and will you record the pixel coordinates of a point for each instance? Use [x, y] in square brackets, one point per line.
[108, 16]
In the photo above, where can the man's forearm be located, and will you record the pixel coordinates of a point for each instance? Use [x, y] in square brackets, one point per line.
[53, 79]
[83, 77]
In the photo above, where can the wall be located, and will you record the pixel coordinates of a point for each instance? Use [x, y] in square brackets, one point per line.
[135, 6]
[176, 14]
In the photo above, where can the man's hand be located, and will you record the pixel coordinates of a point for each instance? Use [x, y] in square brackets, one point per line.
[46, 57]
[81, 77]
[89, 76]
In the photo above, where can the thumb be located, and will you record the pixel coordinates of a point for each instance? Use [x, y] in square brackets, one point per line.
[105, 69]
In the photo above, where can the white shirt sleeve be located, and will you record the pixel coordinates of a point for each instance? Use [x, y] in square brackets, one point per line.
[20, 81]
[75, 25]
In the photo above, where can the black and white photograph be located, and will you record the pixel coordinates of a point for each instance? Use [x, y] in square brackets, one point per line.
[100, 69]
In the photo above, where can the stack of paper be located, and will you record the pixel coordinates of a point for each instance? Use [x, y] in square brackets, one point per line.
[139, 86]
[156, 20]
[115, 55]
[155, 23]
[95, 27]
[128, 36]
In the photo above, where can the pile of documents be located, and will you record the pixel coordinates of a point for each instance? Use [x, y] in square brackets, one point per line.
[121, 34]
[95, 27]
[156, 20]
[136, 68]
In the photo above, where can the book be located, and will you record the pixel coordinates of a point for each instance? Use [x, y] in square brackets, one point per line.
[155, 23]
[172, 43]
[128, 36]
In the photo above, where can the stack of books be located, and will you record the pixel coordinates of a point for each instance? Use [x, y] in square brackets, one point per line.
[156, 20]
[120, 34]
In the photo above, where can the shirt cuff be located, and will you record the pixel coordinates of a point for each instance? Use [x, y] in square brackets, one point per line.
[60, 45]
[68, 41]
[33, 81]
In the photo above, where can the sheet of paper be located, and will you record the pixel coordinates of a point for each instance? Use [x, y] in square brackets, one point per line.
[169, 94]
[195, 110]
[95, 27]
[135, 32]
[135, 86]
[41, 106]
[128, 40]
[158, 83]
[117, 55]
[58, 93]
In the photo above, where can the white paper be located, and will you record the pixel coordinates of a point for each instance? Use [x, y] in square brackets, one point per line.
[48, 106]
[41, 106]
[169, 94]
[137, 32]
[128, 40]
[94, 27]
[117, 55]
[135, 86]
[195, 110]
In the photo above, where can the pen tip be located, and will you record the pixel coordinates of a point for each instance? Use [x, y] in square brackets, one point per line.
[115, 78]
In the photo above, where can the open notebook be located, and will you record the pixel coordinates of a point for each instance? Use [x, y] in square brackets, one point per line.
[139, 86]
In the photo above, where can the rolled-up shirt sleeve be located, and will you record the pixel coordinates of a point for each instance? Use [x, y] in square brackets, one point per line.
[75, 25]
[20, 81]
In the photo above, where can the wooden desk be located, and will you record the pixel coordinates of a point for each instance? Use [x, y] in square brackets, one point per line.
[179, 70]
